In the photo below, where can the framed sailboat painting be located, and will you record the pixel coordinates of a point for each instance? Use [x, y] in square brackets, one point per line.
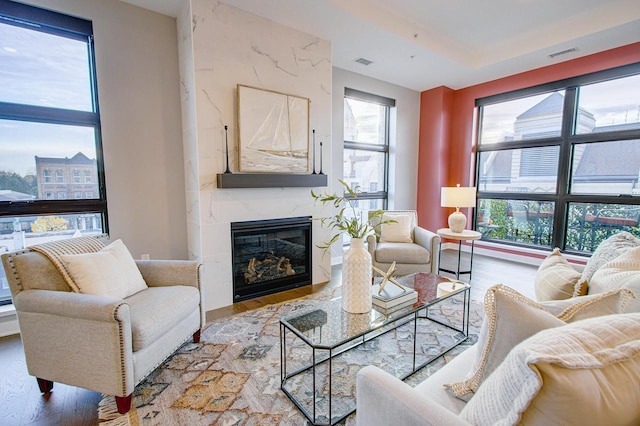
[273, 131]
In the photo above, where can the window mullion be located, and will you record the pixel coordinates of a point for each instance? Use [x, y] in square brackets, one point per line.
[569, 119]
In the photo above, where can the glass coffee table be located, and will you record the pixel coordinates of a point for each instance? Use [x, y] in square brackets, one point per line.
[322, 347]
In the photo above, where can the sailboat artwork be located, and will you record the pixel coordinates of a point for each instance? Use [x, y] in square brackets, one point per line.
[273, 131]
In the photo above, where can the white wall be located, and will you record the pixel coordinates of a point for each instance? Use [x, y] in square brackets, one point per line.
[404, 138]
[221, 46]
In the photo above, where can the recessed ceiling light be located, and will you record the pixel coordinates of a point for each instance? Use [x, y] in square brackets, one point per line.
[10, 49]
[563, 52]
[363, 61]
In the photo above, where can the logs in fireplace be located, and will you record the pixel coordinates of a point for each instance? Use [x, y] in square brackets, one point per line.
[270, 256]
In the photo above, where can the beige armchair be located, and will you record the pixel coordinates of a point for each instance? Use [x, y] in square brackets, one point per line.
[104, 344]
[414, 249]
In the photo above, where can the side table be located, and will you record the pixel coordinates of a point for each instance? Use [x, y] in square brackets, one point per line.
[465, 235]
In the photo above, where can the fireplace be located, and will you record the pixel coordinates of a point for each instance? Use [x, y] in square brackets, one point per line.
[270, 256]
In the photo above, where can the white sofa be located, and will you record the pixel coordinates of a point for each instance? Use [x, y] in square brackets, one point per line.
[383, 399]
[516, 322]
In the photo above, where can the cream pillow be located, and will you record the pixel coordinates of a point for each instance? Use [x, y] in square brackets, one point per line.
[111, 272]
[134, 281]
[608, 250]
[511, 318]
[398, 231]
[98, 274]
[622, 271]
[555, 278]
[586, 372]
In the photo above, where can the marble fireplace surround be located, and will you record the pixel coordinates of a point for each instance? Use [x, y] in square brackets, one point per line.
[220, 47]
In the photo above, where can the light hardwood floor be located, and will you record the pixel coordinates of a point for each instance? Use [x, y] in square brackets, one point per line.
[22, 404]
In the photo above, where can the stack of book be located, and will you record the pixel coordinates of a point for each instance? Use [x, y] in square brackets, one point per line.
[392, 297]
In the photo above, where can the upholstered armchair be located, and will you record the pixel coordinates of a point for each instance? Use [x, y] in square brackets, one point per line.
[414, 249]
[108, 344]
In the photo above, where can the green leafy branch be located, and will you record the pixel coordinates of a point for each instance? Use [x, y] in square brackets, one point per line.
[354, 225]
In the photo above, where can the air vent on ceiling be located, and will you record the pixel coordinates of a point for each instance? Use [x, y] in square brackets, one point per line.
[563, 52]
[363, 61]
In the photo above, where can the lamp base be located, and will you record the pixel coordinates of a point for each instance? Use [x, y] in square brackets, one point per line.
[457, 222]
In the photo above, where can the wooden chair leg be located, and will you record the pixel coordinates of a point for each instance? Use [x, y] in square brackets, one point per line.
[196, 337]
[45, 385]
[123, 403]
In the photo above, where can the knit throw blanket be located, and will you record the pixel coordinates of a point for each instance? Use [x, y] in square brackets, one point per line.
[54, 249]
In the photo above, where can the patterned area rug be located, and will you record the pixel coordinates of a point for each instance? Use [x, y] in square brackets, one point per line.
[232, 377]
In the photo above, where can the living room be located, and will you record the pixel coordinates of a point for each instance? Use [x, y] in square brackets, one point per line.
[167, 89]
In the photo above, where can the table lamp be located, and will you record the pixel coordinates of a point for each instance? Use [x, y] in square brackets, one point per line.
[458, 197]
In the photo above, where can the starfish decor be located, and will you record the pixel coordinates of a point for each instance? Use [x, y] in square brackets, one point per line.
[387, 276]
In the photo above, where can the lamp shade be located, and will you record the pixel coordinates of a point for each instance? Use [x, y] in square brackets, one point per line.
[458, 196]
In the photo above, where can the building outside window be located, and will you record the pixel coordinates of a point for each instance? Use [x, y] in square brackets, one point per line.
[49, 130]
[366, 148]
[559, 165]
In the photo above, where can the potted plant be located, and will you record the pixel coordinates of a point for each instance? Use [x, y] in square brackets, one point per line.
[356, 264]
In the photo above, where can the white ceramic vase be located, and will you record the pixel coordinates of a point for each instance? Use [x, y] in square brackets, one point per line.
[356, 278]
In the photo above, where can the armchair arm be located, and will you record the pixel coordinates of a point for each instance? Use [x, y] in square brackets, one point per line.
[70, 305]
[77, 339]
[386, 400]
[372, 242]
[157, 273]
[430, 241]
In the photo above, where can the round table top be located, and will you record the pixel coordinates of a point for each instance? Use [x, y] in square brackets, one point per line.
[465, 235]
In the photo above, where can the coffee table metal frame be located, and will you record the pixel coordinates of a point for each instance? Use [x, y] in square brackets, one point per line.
[384, 325]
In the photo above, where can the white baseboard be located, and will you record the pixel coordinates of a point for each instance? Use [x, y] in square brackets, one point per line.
[9, 326]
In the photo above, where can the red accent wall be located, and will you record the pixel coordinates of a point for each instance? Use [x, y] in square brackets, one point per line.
[447, 126]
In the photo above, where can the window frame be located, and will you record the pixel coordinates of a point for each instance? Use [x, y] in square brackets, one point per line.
[566, 142]
[57, 24]
[388, 103]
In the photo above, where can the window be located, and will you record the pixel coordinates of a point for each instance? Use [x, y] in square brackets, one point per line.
[49, 129]
[558, 165]
[366, 147]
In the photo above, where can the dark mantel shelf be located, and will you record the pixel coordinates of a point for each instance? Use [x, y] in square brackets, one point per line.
[269, 180]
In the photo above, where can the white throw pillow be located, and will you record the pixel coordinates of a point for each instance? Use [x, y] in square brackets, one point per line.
[134, 281]
[111, 272]
[555, 279]
[398, 231]
[511, 318]
[586, 372]
[623, 271]
[608, 250]
[98, 273]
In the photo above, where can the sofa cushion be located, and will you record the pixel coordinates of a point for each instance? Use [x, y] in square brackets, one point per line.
[398, 231]
[454, 371]
[555, 278]
[408, 252]
[511, 318]
[156, 310]
[608, 250]
[582, 373]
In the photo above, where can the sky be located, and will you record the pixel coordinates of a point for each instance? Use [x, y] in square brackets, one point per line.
[612, 102]
[45, 70]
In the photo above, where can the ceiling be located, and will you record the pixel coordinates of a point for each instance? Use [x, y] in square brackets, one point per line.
[421, 44]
